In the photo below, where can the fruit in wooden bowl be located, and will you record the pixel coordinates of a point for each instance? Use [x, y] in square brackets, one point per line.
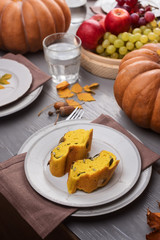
[137, 86]
[118, 20]
[25, 23]
[113, 45]
[91, 31]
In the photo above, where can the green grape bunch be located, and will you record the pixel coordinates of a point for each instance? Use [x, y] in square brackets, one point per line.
[118, 46]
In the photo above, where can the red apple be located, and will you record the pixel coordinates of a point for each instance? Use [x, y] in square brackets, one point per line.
[100, 18]
[91, 32]
[117, 21]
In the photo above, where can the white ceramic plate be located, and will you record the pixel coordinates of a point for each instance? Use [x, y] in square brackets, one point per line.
[20, 103]
[108, 5]
[20, 81]
[128, 198]
[75, 4]
[55, 189]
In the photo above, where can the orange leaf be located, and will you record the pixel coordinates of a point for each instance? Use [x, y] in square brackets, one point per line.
[62, 85]
[2, 87]
[76, 88]
[86, 97]
[73, 103]
[93, 85]
[155, 235]
[153, 219]
[87, 88]
[65, 93]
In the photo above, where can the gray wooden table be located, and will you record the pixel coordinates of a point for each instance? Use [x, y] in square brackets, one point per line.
[130, 222]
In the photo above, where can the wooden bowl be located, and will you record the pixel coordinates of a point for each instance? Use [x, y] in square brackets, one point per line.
[100, 66]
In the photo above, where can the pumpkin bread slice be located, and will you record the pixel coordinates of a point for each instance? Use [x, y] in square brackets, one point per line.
[90, 174]
[73, 145]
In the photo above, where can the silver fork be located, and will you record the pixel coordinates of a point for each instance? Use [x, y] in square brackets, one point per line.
[76, 114]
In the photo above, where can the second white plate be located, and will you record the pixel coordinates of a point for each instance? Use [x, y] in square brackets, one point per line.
[20, 103]
[55, 189]
[20, 81]
[75, 4]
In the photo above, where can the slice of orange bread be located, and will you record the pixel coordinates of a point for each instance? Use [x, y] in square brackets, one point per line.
[73, 145]
[90, 174]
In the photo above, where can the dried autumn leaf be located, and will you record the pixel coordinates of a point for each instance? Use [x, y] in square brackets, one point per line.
[4, 78]
[1, 87]
[65, 93]
[155, 235]
[62, 85]
[86, 97]
[93, 85]
[87, 88]
[153, 219]
[76, 88]
[73, 103]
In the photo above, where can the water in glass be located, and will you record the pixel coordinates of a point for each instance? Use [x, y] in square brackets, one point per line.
[63, 65]
[63, 57]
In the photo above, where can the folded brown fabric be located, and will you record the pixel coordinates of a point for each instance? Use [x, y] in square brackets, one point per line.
[97, 10]
[41, 214]
[39, 77]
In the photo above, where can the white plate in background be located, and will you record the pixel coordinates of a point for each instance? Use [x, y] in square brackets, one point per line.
[75, 3]
[108, 5]
[20, 103]
[20, 81]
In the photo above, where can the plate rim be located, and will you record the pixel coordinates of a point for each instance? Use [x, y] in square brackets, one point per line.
[26, 100]
[28, 83]
[75, 5]
[68, 123]
[80, 212]
[121, 202]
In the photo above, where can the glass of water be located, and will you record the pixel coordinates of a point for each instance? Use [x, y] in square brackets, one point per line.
[62, 53]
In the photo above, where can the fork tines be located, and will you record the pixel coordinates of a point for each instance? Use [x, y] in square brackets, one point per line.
[76, 114]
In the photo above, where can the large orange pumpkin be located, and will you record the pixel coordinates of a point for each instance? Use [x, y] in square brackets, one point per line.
[137, 86]
[25, 23]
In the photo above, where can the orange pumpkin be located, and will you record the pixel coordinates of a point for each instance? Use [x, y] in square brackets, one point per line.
[25, 23]
[137, 86]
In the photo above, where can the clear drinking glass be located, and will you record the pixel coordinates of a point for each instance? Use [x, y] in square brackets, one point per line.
[78, 10]
[62, 53]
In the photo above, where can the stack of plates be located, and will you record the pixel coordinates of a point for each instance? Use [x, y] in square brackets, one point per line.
[108, 5]
[127, 183]
[13, 97]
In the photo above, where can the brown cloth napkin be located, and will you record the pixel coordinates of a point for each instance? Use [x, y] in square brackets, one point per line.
[38, 77]
[43, 215]
[97, 10]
